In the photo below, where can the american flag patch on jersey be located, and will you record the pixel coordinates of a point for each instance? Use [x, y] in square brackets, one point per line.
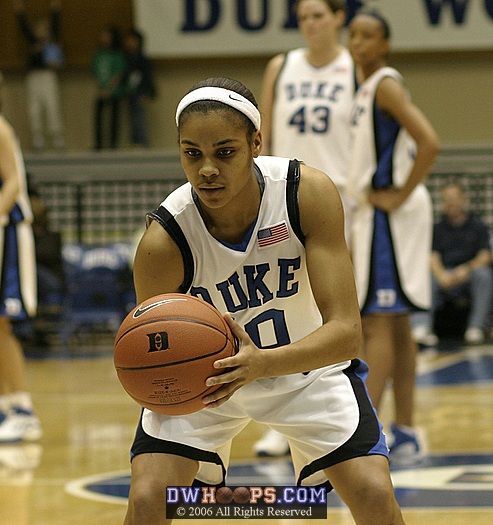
[272, 234]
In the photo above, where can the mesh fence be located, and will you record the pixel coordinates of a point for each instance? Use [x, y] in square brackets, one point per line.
[102, 212]
[105, 206]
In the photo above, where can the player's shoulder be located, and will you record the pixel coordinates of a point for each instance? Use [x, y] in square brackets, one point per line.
[313, 178]
[275, 64]
[318, 200]
[6, 130]
[156, 246]
[344, 59]
[388, 78]
[153, 239]
[316, 188]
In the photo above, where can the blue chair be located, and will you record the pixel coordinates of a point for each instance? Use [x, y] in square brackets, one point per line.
[97, 290]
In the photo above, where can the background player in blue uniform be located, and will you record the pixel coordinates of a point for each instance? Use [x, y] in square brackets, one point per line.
[393, 148]
[17, 291]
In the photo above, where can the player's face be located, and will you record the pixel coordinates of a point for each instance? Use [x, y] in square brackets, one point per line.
[367, 43]
[317, 21]
[218, 158]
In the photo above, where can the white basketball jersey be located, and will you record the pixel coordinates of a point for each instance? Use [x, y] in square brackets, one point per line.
[311, 113]
[21, 211]
[18, 290]
[411, 223]
[365, 136]
[263, 284]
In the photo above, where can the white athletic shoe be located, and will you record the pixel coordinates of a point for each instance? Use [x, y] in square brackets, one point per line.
[272, 444]
[18, 462]
[24, 456]
[474, 336]
[20, 425]
[424, 337]
[405, 446]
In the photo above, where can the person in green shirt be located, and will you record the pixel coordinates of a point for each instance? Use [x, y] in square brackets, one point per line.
[109, 66]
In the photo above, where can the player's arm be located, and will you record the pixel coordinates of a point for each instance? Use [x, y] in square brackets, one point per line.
[331, 278]
[8, 170]
[394, 100]
[158, 264]
[267, 100]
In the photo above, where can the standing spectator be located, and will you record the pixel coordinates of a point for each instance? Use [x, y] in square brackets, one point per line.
[45, 59]
[140, 87]
[307, 95]
[17, 291]
[109, 67]
[460, 266]
[393, 149]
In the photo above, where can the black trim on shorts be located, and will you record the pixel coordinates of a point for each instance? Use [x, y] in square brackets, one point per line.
[146, 444]
[365, 437]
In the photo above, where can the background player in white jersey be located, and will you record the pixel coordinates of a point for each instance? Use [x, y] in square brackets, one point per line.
[208, 239]
[306, 101]
[17, 290]
[393, 149]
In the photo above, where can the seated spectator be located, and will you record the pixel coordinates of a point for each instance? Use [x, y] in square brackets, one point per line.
[460, 267]
[50, 275]
[49, 260]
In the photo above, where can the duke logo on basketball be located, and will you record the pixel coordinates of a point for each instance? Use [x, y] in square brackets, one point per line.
[158, 341]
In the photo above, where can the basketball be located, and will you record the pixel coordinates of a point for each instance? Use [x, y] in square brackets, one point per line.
[164, 351]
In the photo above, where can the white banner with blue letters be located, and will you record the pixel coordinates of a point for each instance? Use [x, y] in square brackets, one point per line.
[207, 28]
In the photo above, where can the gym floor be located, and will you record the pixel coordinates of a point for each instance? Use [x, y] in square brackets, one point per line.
[78, 473]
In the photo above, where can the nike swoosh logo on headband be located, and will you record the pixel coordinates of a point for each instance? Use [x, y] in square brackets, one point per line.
[235, 99]
[142, 310]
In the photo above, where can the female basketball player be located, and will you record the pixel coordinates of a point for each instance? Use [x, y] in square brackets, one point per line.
[393, 149]
[308, 92]
[262, 239]
[17, 291]
[307, 95]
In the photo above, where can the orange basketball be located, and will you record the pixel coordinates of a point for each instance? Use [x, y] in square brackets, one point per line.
[164, 351]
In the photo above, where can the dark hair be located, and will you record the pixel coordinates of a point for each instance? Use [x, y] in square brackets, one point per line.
[116, 39]
[203, 106]
[377, 16]
[135, 33]
[333, 5]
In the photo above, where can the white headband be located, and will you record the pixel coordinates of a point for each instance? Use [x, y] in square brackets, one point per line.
[230, 98]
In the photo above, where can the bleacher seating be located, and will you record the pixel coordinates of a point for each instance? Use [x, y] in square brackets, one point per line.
[99, 288]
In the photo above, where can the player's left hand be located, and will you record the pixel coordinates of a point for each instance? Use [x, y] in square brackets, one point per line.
[242, 368]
